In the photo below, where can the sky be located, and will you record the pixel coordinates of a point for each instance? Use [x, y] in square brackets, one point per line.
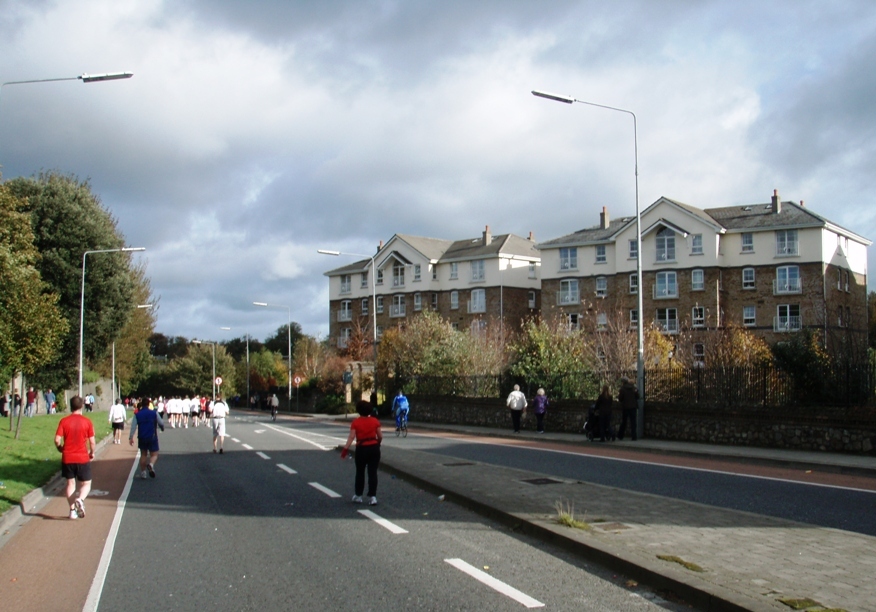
[254, 133]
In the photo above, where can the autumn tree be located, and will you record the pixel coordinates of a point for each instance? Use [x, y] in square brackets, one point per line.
[193, 373]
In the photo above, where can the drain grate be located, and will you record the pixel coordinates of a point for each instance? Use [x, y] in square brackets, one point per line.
[458, 464]
[542, 481]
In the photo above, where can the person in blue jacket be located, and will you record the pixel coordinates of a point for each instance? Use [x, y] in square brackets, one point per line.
[400, 406]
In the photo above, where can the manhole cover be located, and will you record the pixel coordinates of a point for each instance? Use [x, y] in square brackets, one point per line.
[611, 526]
[542, 481]
[458, 464]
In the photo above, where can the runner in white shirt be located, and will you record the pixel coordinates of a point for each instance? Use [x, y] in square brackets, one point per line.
[117, 416]
[219, 410]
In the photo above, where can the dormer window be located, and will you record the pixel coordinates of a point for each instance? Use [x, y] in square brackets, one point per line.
[666, 245]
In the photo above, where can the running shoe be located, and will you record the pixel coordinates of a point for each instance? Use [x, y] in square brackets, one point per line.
[73, 515]
[151, 470]
[357, 499]
[372, 501]
[80, 508]
[144, 475]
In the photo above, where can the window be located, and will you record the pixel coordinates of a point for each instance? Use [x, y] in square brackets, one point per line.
[416, 273]
[787, 280]
[364, 307]
[666, 245]
[478, 326]
[398, 306]
[696, 244]
[398, 275]
[379, 332]
[364, 280]
[634, 283]
[667, 320]
[600, 253]
[601, 321]
[478, 301]
[698, 316]
[788, 317]
[531, 269]
[568, 258]
[848, 316]
[477, 270]
[634, 317]
[380, 277]
[434, 301]
[839, 316]
[748, 278]
[666, 285]
[601, 286]
[434, 271]
[634, 249]
[344, 337]
[346, 283]
[568, 293]
[748, 318]
[346, 311]
[454, 300]
[573, 321]
[839, 279]
[699, 355]
[747, 242]
[379, 304]
[531, 299]
[846, 280]
[418, 301]
[454, 271]
[697, 280]
[454, 326]
[786, 242]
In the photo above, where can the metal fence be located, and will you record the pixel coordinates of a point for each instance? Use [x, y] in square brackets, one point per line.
[720, 387]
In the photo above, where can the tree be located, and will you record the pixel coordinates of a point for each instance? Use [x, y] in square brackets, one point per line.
[68, 219]
[193, 373]
[309, 355]
[279, 342]
[168, 348]
[266, 370]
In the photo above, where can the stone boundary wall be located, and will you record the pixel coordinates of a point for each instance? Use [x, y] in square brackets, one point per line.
[815, 431]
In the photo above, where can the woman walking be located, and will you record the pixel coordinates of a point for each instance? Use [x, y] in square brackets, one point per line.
[540, 403]
[603, 407]
[366, 431]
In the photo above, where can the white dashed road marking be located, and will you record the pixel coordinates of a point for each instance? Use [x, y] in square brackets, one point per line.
[286, 468]
[497, 585]
[382, 522]
[325, 490]
[247, 447]
[262, 455]
[235, 440]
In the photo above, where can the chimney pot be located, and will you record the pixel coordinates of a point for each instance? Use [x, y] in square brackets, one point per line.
[603, 218]
[488, 237]
[531, 237]
[777, 202]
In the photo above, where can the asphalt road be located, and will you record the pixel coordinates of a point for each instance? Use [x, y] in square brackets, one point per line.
[269, 525]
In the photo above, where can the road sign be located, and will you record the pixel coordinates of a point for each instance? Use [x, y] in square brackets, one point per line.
[297, 380]
[218, 381]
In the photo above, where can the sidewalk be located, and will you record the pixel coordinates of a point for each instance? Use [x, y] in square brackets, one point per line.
[749, 561]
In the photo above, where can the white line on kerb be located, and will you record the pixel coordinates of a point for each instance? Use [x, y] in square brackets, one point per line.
[262, 455]
[325, 490]
[498, 585]
[286, 468]
[247, 447]
[382, 522]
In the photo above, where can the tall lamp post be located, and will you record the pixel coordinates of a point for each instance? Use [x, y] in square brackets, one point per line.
[640, 361]
[212, 344]
[373, 303]
[289, 345]
[247, 364]
[82, 303]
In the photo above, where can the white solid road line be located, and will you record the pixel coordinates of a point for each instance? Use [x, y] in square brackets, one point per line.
[382, 522]
[286, 468]
[289, 433]
[498, 585]
[235, 440]
[325, 490]
[262, 455]
[247, 447]
[103, 565]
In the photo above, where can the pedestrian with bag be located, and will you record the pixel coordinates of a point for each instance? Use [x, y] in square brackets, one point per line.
[516, 402]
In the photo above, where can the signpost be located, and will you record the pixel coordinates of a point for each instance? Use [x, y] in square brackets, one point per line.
[297, 381]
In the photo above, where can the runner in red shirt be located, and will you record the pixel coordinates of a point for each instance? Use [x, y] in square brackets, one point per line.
[366, 431]
[75, 441]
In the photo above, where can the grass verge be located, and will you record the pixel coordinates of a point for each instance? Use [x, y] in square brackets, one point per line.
[32, 460]
[686, 564]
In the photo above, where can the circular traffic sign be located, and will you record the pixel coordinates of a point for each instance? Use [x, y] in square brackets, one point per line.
[218, 381]
[297, 380]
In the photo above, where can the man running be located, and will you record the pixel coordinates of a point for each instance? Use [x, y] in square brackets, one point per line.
[74, 439]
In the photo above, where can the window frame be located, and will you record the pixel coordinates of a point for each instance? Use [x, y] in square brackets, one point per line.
[787, 243]
[601, 286]
[568, 258]
[747, 242]
[454, 270]
[696, 249]
[477, 271]
[694, 286]
[749, 316]
[566, 289]
[665, 245]
[454, 300]
[698, 316]
[478, 305]
[601, 254]
[346, 283]
[670, 325]
[663, 278]
[749, 284]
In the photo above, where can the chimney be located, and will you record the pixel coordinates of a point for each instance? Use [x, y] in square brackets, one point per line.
[603, 218]
[488, 237]
[531, 237]
[777, 203]
[380, 246]
[802, 205]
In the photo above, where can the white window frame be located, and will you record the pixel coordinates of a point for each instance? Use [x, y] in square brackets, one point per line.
[454, 270]
[569, 292]
[666, 285]
[665, 245]
[345, 312]
[434, 301]
[397, 308]
[417, 271]
[531, 299]
[787, 280]
[454, 300]
[601, 256]
[573, 321]
[697, 284]
[698, 316]
[477, 301]
[568, 258]
[532, 269]
[786, 319]
[634, 283]
[601, 321]
[379, 276]
[667, 320]
[787, 243]
[346, 283]
[634, 317]
[748, 278]
[696, 244]
[749, 316]
[364, 306]
[601, 286]
[364, 284]
[699, 354]
[379, 304]
[634, 249]
[747, 242]
[434, 271]
[398, 274]
[418, 301]
[344, 336]
[477, 270]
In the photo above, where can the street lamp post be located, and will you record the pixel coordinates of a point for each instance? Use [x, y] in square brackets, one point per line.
[82, 302]
[373, 305]
[640, 360]
[212, 344]
[247, 364]
[289, 345]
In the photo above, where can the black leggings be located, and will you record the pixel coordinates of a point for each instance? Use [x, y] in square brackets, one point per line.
[367, 457]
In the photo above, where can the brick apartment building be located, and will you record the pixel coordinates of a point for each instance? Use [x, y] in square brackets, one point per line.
[472, 283]
[773, 267]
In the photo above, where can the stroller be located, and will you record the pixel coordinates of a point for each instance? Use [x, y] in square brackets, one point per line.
[591, 425]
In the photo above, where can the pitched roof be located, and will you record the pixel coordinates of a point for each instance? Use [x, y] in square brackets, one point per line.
[590, 235]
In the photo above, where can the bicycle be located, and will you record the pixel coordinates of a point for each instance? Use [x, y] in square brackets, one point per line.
[402, 429]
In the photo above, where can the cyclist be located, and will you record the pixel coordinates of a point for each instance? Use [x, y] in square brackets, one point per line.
[275, 405]
[400, 406]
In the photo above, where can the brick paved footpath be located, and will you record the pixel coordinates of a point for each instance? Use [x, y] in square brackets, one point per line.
[750, 561]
